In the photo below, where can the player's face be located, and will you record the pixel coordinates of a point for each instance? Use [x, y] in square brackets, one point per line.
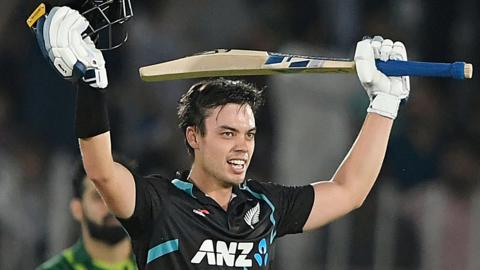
[225, 150]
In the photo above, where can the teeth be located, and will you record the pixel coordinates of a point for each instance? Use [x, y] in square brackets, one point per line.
[237, 162]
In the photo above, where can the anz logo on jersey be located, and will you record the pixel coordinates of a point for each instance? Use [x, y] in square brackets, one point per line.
[234, 254]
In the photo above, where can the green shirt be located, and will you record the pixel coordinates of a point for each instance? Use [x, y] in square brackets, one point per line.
[77, 258]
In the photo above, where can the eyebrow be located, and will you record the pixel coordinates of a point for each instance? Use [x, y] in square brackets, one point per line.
[234, 129]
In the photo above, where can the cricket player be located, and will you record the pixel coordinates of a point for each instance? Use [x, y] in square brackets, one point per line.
[211, 217]
[104, 244]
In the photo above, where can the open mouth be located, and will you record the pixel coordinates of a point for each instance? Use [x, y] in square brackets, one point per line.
[238, 165]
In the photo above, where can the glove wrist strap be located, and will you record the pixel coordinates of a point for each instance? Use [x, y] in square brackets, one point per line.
[385, 105]
[91, 113]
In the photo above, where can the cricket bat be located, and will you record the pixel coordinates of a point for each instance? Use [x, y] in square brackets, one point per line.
[231, 62]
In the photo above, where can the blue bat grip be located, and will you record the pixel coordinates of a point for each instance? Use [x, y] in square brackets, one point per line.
[454, 70]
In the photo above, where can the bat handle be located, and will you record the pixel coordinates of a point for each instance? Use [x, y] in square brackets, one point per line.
[456, 70]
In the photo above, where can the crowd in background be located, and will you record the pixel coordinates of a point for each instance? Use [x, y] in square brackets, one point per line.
[423, 212]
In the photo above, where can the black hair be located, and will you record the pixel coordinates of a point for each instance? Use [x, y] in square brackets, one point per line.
[205, 95]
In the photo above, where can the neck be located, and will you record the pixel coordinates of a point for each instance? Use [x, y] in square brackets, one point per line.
[110, 254]
[212, 187]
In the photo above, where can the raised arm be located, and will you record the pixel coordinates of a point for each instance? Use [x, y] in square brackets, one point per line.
[356, 175]
[114, 181]
[59, 35]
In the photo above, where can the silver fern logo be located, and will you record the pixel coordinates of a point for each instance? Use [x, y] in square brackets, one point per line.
[253, 215]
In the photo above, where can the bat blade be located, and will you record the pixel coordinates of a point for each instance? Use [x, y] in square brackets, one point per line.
[226, 62]
[241, 63]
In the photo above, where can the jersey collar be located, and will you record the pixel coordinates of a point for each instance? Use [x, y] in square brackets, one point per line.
[182, 183]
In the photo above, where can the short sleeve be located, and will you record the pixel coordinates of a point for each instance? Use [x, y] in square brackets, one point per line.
[150, 198]
[293, 205]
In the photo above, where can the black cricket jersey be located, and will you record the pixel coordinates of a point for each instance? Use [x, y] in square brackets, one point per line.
[176, 226]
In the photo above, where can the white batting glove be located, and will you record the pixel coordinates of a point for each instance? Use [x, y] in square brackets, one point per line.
[385, 93]
[71, 55]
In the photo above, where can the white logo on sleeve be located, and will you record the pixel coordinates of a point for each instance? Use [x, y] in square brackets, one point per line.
[253, 216]
[224, 254]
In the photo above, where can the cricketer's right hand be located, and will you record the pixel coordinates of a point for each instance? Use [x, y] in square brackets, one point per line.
[71, 55]
[385, 92]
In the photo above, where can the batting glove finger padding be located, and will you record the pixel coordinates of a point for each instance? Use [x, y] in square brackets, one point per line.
[376, 43]
[386, 49]
[72, 56]
[399, 52]
[385, 93]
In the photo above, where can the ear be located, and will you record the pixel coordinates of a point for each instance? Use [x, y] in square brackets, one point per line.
[76, 209]
[192, 135]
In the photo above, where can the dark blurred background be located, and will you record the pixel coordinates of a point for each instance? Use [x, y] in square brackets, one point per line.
[424, 212]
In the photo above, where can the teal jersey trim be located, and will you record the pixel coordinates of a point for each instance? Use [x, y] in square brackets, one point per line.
[185, 186]
[162, 249]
